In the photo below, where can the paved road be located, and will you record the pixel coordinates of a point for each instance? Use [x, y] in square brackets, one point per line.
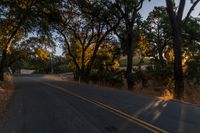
[44, 106]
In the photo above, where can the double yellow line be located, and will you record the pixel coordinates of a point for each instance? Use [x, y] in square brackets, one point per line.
[117, 112]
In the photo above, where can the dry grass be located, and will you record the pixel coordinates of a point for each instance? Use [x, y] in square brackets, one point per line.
[153, 89]
[192, 94]
[59, 77]
[6, 91]
[52, 77]
[160, 92]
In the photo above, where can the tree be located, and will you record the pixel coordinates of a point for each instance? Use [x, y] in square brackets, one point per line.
[177, 22]
[107, 59]
[157, 31]
[32, 50]
[84, 31]
[128, 11]
[31, 47]
[23, 16]
[191, 49]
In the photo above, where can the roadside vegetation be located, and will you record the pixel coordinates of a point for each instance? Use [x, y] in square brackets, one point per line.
[6, 91]
[106, 42]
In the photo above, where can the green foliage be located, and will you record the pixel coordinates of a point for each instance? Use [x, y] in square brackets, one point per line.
[157, 32]
[192, 49]
[162, 74]
[136, 61]
[107, 58]
[192, 29]
[60, 65]
[193, 70]
[138, 76]
[30, 48]
[110, 78]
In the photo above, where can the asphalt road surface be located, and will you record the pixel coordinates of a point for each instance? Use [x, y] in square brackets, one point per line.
[46, 106]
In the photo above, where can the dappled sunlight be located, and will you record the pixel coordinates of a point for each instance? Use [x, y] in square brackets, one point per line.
[42, 54]
[143, 109]
[56, 77]
[156, 115]
[167, 94]
[153, 109]
[59, 77]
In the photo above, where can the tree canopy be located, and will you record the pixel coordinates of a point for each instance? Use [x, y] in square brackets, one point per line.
[95, 35]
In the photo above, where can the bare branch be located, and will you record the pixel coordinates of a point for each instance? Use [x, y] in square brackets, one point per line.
[180, 10]
[190, 11]
[68, 48]
[139, 5]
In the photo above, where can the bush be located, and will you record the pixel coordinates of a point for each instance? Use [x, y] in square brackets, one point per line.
[94, 77]
[162, 74]
[138, 76]
[193, 70]
[114, 79]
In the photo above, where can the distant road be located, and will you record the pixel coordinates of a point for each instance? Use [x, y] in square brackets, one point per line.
[46, 106]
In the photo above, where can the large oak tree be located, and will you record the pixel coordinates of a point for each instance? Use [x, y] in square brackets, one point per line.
[177, 22]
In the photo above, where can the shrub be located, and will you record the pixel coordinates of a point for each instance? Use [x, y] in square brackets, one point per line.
[138, 76]
[114, 79]
[193, 70]
[162, 74]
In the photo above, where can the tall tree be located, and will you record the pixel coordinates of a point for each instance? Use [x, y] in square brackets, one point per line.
[23, 15]
[177, 22]
[129, 12]
[79, 26]
[125, 11]
[157, 31]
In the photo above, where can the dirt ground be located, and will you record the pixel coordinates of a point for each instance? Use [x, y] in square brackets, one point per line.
[6, 91]
[191, 94]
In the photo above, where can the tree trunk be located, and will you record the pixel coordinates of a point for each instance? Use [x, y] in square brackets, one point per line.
[129, 79]
[161, 46]
[4, 54]
[82, 74]
[160, 52]
[178, 72]
[92, 60]
[176, 25]
[2, 65]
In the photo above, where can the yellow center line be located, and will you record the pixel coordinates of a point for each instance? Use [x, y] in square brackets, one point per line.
[117, 112]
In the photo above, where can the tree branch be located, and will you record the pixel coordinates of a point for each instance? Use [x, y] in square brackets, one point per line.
[180, 10]
[69, 51]
[139, 5]
[190, 11]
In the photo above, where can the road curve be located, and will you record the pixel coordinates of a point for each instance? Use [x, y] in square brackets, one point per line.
[44, 106]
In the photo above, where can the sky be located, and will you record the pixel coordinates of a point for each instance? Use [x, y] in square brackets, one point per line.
[148, 7]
